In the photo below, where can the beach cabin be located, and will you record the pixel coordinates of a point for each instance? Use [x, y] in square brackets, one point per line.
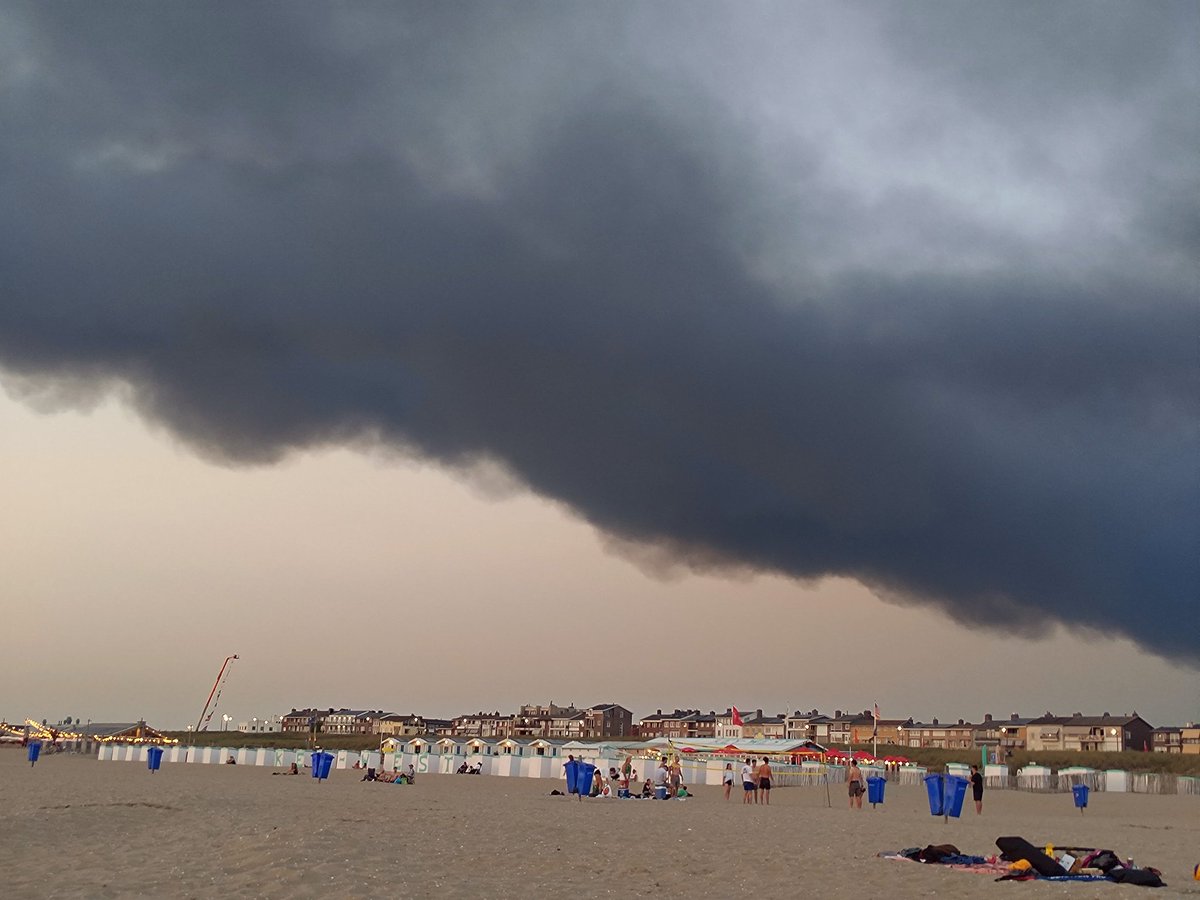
[418, 746]
[450, 746]
[510, 747]
[394, 745]
[1073, 775]
[580, 750]
[1036, 778]
[480, 747]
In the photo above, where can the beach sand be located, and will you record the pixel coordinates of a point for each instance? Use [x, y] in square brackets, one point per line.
[77, 827]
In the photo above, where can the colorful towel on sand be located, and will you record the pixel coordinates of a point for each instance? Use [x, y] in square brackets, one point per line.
[976, 864]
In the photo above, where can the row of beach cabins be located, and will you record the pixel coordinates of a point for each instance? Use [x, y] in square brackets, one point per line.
[702, 762]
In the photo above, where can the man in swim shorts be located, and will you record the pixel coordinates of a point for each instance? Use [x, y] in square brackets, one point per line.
[764, 781]
[856, 784]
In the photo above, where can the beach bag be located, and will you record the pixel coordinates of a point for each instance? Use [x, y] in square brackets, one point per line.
[1140, 877]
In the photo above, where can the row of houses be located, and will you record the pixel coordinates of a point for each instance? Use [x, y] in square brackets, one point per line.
[604, 721]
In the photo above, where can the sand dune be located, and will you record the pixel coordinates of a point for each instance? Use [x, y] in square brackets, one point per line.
[75, 827]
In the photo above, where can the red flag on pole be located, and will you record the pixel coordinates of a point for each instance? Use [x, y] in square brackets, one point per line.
[737, 717]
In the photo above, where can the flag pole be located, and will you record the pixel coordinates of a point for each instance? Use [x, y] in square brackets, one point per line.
[875, 732]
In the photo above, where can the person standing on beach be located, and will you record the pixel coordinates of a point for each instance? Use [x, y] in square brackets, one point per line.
[977, 789]
[727, 779]
[749, 785]
[856, 784]
[764, 781]
[676, 776]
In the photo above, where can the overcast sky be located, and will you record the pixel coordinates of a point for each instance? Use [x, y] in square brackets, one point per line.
[440, 358]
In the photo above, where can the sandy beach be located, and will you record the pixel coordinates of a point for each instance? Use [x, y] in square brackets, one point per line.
[77, 827]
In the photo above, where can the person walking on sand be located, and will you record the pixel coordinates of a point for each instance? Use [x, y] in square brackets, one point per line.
[856, 784]
[749, 784]
[727, 779]
[977, 789]
[764, 781]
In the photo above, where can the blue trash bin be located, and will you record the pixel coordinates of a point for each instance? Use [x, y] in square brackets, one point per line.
[153, 758]
[35, 749]
[875, 789]
[584, 777]
[955, 792]
[933, 787]
[1081, 794]
[321, 764]
[572, 769]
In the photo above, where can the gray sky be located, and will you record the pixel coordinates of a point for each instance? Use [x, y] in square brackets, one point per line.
[780, 310]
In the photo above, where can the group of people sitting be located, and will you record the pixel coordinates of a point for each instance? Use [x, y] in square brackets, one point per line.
[403, 777]
[464, 769]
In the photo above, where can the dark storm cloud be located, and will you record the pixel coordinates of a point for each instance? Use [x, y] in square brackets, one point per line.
[932, 327]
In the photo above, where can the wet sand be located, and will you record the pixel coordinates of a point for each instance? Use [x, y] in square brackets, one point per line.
[76, 827]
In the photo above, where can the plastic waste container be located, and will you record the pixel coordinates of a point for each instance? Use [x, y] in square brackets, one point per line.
[153, 758]
[933, 787]
[571, 766]
[1081, 795]
[875, 789]
[584, 777]
[35, 750]
[955, 792]
[321, 764]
